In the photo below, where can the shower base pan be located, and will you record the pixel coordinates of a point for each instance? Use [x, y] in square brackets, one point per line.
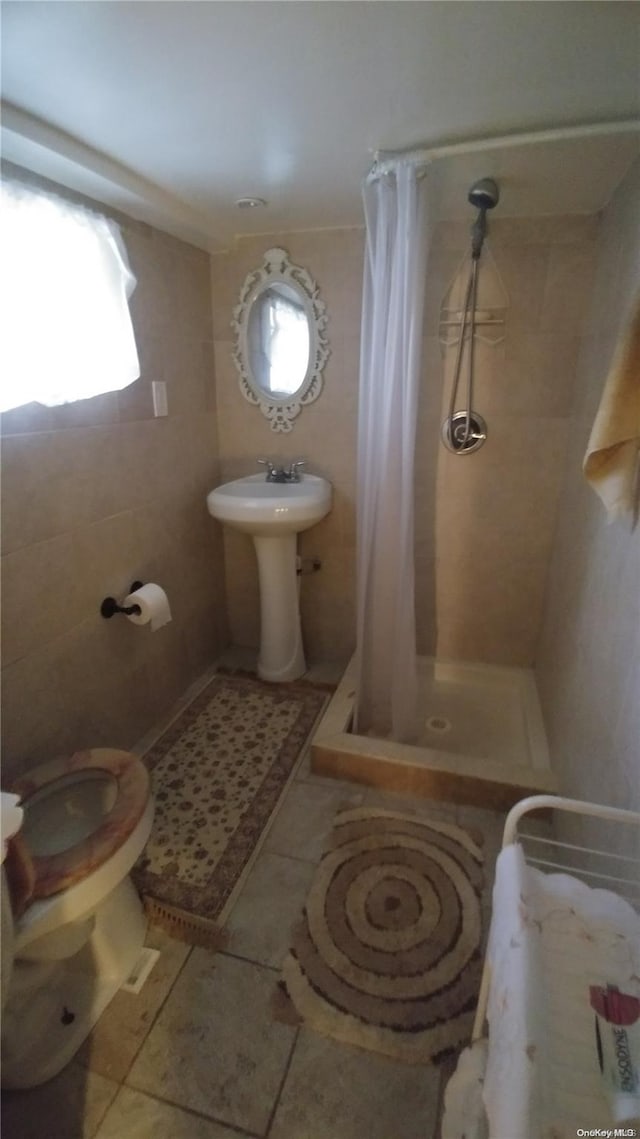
[483, 739]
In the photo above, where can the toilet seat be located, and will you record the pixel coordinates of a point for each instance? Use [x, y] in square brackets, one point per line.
[56, 872]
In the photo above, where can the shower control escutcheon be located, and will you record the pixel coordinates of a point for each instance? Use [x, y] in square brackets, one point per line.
[461, 437]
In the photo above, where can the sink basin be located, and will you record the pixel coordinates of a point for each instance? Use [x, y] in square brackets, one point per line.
[267, 509]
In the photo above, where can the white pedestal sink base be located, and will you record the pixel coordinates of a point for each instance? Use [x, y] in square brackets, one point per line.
[274, 512]
[281, 654]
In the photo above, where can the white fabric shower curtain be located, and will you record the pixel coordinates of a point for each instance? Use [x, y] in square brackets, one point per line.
[390, 364]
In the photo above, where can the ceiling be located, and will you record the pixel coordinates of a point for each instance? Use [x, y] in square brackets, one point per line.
[172, 110]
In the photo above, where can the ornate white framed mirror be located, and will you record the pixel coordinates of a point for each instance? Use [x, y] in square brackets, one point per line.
[281, 343]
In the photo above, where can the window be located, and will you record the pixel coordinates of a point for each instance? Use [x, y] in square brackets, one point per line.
[64, 288]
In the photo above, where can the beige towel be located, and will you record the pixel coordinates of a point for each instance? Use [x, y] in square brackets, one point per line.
[611, 459]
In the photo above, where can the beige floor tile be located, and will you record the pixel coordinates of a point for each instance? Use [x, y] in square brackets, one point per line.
[269, 905]
[490, 823]
[303, 771]
[413, 804]
[71, 1106]
[215, 1047]
[481, 817]
[447, 1068]
[333, 1091]
[303, 824]
[117, 1037]
[133, 1115]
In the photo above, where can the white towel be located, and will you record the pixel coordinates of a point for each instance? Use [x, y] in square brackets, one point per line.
[611, 459]
[11, 816]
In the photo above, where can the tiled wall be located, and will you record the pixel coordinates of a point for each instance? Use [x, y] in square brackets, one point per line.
[589, 655]
[324, 435]
[485, 521]
[97, 494]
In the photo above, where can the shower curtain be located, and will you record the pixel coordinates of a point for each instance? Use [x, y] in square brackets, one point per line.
[390, 361]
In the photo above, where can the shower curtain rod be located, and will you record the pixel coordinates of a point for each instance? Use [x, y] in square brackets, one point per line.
[387, 160]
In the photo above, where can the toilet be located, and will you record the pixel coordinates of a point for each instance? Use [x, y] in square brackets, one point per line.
[78, 924]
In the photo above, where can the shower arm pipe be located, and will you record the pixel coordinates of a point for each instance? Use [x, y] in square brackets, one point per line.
[459, 350]
[472, 340]
[469, 309]
[385, 161]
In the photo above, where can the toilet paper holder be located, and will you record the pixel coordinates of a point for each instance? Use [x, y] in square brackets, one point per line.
[110, 606]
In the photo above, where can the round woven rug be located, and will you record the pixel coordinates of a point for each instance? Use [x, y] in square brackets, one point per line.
[387, 956]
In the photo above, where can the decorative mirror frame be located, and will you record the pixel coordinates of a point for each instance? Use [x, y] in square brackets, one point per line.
[277, 267]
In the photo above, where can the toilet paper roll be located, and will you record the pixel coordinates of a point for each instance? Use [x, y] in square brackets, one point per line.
[154, 606]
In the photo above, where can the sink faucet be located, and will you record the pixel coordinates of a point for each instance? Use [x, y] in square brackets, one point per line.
[294, 472]
[279, 474]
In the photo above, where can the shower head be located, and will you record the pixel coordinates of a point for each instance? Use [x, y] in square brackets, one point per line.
[484, 195]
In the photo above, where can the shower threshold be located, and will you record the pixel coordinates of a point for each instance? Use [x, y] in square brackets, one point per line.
[482, 741]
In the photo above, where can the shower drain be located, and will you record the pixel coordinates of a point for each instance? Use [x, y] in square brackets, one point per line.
[439, 724]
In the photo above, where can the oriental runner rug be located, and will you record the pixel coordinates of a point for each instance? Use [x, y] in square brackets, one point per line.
[219, 773]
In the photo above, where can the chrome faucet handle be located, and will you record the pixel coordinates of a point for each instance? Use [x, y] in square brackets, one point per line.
[268, 464]
[294, 469]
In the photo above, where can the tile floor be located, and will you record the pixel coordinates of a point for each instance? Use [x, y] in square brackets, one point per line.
[198, 1055]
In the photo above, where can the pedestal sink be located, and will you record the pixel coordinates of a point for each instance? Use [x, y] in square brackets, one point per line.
[274, 513]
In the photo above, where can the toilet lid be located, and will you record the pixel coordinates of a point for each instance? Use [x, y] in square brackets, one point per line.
[55, 872]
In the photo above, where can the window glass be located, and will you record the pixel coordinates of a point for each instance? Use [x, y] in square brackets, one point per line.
[64, 288]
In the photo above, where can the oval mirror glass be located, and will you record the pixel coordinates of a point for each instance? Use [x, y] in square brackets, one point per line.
[278, 340]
